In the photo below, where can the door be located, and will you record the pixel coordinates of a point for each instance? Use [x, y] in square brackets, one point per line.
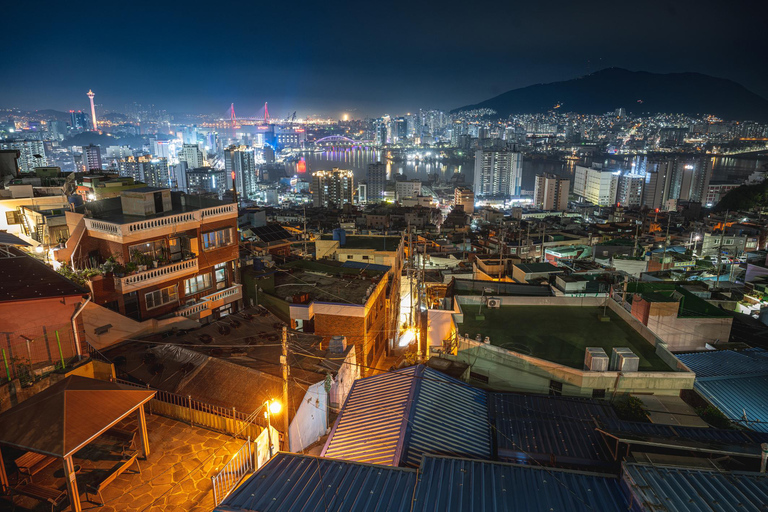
[131, 302]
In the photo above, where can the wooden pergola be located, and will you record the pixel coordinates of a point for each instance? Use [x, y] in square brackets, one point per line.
[66, 417]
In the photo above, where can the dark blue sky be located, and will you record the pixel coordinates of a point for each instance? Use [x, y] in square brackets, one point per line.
[365, 58]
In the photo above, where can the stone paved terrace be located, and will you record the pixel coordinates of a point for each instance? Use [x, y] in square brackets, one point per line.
[176, 477]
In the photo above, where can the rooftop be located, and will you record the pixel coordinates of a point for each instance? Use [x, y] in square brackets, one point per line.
[24, 278]
[558, 333]
[530, 268]
[325, 281]
[377, 243]
[176, 476]
[111, 209]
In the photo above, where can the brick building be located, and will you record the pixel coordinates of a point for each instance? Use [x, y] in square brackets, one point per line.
[161, 253]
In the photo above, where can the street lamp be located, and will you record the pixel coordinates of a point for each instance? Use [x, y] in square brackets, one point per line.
[270, 408]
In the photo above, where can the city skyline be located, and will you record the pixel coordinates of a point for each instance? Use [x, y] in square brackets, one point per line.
[329, 61]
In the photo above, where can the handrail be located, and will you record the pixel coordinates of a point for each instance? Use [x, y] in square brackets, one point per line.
[205, 302]
[233, 472]
[116, 229]
[165, 272]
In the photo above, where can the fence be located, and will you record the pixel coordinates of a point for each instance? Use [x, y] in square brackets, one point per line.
[240, 465]
[32, 353]
[201, 414]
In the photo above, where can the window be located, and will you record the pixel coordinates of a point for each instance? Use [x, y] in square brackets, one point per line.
[350, 256]
[729, 241]
[161, 297]
[220, 273]
[555, 388]
[155, 250]
[598, 393]
[197, 284]
[216, 239]
[12, 218]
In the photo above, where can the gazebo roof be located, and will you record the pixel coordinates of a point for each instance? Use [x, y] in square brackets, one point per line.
[68, 415]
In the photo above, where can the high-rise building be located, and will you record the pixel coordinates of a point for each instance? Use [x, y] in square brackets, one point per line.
[207, 180]
[57, 129]
[498, 173]
[630, 190]
[179, 177]
[191, 154]
[332, 188]
[596, 184]
[32, 153]
[377, 182]
[683, 178]
[146, 169]
[551, 192]
[465, 199]
[92, 158]
[240, 162]
[189, 135]
[407, 189]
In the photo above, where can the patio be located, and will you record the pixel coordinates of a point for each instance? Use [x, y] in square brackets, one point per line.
[175, 477]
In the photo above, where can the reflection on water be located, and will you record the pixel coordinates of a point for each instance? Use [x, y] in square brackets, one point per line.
[357, 159]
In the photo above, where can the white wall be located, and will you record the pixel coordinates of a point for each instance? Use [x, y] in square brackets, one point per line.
[346, 376]
[311, 420]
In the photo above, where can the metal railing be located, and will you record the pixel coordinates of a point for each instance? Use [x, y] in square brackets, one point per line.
[201, 414]
[208, 301]
[227, 479]
[143, 278]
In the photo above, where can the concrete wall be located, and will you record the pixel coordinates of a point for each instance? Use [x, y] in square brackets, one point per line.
[345, 377]
[511, 371]
[311, 419]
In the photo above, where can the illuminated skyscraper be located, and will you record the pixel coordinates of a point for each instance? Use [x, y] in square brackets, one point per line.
[240, 161]
[92, 158]
[332, 188]
[377, 182]
[498, 173]
[90, 95]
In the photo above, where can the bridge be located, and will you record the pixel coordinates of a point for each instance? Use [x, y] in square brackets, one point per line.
[341, 141]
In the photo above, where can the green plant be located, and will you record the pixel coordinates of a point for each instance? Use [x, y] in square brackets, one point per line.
[714, 417]
[630, 408]
[80, 277]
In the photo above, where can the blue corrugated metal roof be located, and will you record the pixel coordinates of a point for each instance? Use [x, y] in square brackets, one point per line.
[742, 399]
[449, 417]
[370, 426]
[301, 483]
[734, 382]
[703, 434]
[657, 489]
[462, 485]
[544, 427]
[721, 363]
[394, 418]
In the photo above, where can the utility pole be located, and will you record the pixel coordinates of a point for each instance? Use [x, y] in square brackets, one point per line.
[286, 400]
[234, 188]
[719, 249]
[409, 274]
[666, 241]
[637, 231]
[305, 230]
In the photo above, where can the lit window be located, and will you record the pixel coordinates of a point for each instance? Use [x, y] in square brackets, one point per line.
[161, 297]
[197, 284]
[216, 239]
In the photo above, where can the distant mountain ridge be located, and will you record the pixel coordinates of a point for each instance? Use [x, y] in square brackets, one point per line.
[636, 91]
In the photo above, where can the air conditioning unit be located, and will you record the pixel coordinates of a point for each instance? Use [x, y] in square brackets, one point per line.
[595, 359]
[493, 302]
[624, 360]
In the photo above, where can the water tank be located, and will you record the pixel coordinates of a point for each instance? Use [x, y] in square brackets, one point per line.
[595, 359]
[624, 360]
[75, 200]
[337, 345]
[340, 235]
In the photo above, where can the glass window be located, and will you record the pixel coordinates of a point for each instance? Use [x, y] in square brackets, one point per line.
[161, 297]
[220, 274]
[197, 284]
[216, 239]
[155, 250]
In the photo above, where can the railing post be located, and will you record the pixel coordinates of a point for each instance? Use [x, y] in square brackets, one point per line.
[234, 421]
[189, 406]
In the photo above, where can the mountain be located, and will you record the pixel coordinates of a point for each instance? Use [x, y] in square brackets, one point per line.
[636, 91]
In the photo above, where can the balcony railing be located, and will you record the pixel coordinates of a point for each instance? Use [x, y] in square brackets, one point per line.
[155, 275]
[141, 227]
[212, 301]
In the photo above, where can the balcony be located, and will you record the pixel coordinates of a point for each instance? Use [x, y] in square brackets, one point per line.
[158, 226]
[155, 276]
[210, 302]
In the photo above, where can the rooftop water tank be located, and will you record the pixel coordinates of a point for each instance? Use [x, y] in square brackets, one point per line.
[337, 345]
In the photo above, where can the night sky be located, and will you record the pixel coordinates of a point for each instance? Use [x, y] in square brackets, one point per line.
[364, 58]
